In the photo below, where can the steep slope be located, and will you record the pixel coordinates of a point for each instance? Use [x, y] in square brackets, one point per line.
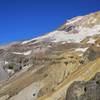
[84, 73]
[44, 67]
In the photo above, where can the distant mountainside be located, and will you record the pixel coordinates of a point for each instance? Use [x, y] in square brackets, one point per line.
[47, 67]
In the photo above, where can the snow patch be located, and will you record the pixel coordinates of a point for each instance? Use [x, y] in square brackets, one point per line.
[91, 41]
[74, 20]
[63, 42]
[6, 62]
[90, 31]
[58, 36]
[23, 53]
[10, 71]
[27, 53]
[25, 42]
[38, 39]
[81, 49]
[18, 53]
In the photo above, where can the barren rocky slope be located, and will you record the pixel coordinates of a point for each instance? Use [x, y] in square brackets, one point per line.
[81, 90]
[43, 68]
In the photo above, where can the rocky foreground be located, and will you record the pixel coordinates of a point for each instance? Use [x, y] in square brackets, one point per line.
[81, 90]
[61, 65]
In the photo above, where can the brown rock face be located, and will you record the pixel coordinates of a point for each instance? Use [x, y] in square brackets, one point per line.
[85, 90]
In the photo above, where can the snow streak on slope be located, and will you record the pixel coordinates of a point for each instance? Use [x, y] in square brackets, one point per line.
[74, 20]
[81, 49]
[60, 36]
[23, 53]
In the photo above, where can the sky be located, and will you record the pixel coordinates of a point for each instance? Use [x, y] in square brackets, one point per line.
[26, 19]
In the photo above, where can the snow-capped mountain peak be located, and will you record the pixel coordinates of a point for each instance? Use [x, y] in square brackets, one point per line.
[74, 30]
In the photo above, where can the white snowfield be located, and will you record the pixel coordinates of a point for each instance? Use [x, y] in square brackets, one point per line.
[62, 36]
[58, 36]
[23, 53]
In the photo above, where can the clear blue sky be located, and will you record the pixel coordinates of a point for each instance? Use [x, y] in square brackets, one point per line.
[25, 19]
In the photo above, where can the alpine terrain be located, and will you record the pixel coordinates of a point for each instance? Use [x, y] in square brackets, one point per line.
[61, 65]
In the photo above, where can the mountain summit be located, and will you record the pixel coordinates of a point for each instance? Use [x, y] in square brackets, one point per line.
[47, 67]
